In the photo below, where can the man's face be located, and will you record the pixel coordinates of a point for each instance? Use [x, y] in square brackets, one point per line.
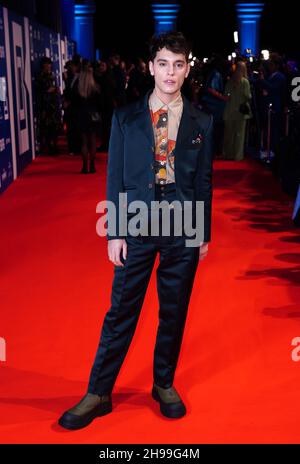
[169, 70]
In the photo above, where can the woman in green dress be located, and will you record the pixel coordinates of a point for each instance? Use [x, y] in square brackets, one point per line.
[236, 113]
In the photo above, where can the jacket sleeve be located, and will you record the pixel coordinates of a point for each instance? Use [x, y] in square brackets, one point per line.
[203, 179]
[115, 177]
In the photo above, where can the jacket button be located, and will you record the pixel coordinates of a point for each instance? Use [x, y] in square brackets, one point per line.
[150, 186]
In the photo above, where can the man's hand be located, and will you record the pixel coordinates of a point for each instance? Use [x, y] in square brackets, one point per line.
[115, 247]
[203, 250]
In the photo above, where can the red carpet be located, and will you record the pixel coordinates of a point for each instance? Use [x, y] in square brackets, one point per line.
[235, 370]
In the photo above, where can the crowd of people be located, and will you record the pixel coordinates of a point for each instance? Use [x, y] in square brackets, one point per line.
[247, 98]
[91, 92]
[243, 89]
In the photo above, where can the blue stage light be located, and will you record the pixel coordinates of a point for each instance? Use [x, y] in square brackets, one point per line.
[165, 16]
[84, 30]
[248, 15]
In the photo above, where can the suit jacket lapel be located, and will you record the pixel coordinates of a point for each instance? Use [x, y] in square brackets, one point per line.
[143, 119]
[144, 123]
[187, 127]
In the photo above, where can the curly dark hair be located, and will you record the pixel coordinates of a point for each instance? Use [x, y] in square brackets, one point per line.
[173, 41]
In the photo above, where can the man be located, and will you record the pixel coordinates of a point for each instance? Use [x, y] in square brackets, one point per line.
[214, 100]
[48, 108]
[70, 106]
[274, 93]
[160, 149]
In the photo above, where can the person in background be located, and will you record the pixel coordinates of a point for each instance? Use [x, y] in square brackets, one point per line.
[104, 78]
[237, 112]
[48, 108]
[70, 113]
[213, 99]
[274, 90]
[118, 70]
[89, 107]
[139, 81]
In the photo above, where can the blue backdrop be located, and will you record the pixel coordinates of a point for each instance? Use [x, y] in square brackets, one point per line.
[6, 167]
[22, 45]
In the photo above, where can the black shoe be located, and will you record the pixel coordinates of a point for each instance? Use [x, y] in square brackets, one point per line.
[171, 405]
[84, 169]
[92, 167]
[90, 407]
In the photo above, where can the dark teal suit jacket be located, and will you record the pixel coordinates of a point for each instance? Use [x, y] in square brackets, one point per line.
[131, 157]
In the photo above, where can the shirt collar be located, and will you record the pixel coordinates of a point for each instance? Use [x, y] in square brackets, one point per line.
[156, 103]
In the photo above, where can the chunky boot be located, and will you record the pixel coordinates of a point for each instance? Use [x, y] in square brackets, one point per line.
[83, 413]
[171, 405]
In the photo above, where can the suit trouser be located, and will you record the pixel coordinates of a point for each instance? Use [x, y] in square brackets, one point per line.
[175, 277]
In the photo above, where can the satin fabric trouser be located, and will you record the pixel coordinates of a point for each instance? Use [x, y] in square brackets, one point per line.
[175, 277]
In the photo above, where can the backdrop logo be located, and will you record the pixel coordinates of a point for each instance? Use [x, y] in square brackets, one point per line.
[296, 351]
[2, 350]
[22, 83]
